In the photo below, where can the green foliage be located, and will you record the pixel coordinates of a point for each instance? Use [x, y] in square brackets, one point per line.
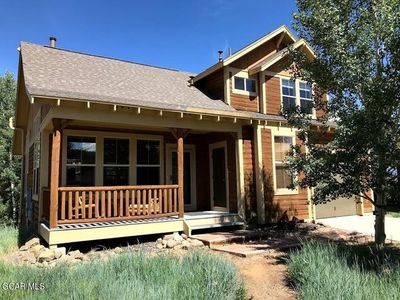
[197, 275]
[8, 238]
[9, 166]
[357, 47]
[322, 270]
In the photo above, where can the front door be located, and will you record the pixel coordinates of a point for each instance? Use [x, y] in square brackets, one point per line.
[219, 176]
[189, 180]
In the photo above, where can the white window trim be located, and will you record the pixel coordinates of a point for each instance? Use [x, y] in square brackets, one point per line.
[159, 138]
[129, 165]
[99, 167]
[297, 92]
[245, 75]
[289, 132]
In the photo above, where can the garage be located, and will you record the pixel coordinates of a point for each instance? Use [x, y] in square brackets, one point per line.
[337, 208]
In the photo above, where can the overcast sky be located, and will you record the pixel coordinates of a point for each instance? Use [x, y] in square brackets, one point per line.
[183, 35]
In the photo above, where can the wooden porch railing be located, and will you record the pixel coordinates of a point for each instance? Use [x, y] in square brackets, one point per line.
[115, 203]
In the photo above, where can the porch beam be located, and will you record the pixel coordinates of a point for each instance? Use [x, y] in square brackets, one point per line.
[55, 172]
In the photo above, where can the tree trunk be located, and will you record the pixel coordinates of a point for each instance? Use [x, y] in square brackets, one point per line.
[380, 212]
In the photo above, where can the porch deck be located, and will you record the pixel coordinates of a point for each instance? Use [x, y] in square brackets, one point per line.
[84, 231]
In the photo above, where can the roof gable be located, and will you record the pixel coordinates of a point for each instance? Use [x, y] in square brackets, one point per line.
[282, 30]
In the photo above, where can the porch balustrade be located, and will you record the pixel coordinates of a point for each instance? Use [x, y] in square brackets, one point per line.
[116, 203]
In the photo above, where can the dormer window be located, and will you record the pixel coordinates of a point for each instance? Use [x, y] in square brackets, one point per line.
[244, 84]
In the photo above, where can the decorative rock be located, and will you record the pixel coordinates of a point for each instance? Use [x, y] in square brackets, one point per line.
[184, 236]
[159, 241]
[29, 257]
[178, 247]
[196, 243]
[168, 237]
[61, 251]
[159, 246]
[76, 254]
[177, 237]
[171, 243]
[32, 242]
[24, 248]
[46, 256]
[185, 245]
[37, 249]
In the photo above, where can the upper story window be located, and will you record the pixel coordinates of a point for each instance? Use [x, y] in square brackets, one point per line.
[297, 93]
[306, 103]
[116, 162]
[81, 161]
[288, 94]
[148, 162]
[244, 84]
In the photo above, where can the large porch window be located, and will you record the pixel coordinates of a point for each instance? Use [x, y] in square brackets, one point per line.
[148, 162]
[81, 161]
[116, 162]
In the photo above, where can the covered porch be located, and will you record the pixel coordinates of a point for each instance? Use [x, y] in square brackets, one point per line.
[188, 180]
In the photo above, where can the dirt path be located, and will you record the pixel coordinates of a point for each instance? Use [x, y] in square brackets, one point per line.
[264, 276]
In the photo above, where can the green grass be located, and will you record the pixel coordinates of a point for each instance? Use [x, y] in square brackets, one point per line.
[197, 275]
[394, 214]
[8, 238]
[321, 270]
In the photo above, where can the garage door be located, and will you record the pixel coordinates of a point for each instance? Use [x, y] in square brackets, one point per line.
[337, 208]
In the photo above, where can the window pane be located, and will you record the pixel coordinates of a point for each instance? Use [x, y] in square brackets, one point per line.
[81, 150]
[282, 147]
[123, 151]
[306, 106]
[148, 175]
[154, 152]
[110, 151]
[142, 152]
[250, 85]
[116, 151]
[80, 176]
[148, 152]
[116, 176]
[283, 179]
[288, 103]
[288, 88]
[239, 83]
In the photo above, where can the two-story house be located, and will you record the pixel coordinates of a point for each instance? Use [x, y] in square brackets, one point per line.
[114, 149]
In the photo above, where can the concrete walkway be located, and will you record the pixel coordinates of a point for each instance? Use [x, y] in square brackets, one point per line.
[365, 225]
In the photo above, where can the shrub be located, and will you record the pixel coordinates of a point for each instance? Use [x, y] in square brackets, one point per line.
[131, 275]
[322, 270]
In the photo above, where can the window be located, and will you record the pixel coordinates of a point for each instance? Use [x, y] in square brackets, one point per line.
[244, 84]
[116, 162]
[148, 162]
[288, 94]
[81, 161]
[282, 147]
[306, 103]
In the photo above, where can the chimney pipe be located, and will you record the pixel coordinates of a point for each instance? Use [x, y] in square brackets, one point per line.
[220, 55]
[53, 41]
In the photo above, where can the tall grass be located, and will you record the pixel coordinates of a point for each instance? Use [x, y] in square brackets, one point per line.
[322, 270]
[131, 275]
[8, 238]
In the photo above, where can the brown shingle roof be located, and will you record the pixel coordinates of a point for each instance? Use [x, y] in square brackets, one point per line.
[58, 73]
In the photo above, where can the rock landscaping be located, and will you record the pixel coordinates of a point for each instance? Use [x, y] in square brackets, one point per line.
[34, 253]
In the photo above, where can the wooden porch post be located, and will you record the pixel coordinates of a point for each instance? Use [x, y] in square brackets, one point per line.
[180, 173]
[55, 173]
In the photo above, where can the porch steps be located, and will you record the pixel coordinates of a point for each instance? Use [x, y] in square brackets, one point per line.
[211, 220]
